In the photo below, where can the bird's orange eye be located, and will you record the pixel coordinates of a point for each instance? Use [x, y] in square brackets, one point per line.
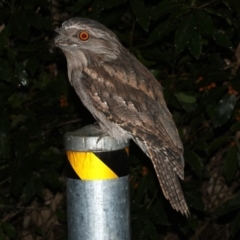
[84, 36]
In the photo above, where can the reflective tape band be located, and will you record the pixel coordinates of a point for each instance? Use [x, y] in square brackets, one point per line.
[98, 165]
[89, 167]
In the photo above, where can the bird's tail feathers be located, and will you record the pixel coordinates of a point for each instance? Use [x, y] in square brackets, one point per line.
[176, 160]
[169, 183]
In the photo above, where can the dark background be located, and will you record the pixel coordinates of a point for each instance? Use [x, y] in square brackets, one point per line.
[192, 49]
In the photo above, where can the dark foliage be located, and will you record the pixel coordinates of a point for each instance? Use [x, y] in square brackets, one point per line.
[192, 47]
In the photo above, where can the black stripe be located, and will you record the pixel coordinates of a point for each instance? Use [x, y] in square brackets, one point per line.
[70, 171]
[117, 161]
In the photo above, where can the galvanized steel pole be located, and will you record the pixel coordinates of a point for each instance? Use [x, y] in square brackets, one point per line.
[97, 186]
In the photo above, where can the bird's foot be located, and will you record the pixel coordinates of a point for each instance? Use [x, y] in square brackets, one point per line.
[104, 134]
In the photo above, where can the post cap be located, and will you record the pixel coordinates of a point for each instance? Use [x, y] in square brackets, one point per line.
[92, 138]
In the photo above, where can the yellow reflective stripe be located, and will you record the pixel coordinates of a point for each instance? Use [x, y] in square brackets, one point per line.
[89, 167]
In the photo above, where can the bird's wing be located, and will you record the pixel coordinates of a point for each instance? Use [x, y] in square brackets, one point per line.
[134, 101]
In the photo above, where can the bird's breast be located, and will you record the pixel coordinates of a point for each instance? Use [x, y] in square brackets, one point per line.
[108, 126]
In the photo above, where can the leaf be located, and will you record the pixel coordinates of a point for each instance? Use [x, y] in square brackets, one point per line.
[235, 83]
[20, 176]
[160, 31]
[21, 140]
[40, 22]
[51, 178]
[156, 55]
[2, 237]
[8, 229]
[217, 75]
[195, 45]
[19, 26]
[235, 226]
[112, 19]
[218, 143]
[29, 190]
[79, 5]
[137, 227]
[204, 21]
[140, 190]
[235, 5]
[194, 200]
[235, 127]
[189, 107]
[5, 71]
[111, 4]
[32, 65]
[38, 185]
[230, 164]
[23, 77]
[194, 162]
[17, 119]
[96, 7]
[157, 214]
[194, 223]
[228, 206]
[187, 102]
[4, 135]
[61, 215]
[4, 34]
[184, 32]
[178, 12]
[42, 3]
[164, 8]
[140, 11]
[222, 112]
[151, 231]
[33, 186]
[221, 39]
[183, 97]
[188, 224]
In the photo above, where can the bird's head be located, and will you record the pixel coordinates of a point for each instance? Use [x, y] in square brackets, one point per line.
[86, 41]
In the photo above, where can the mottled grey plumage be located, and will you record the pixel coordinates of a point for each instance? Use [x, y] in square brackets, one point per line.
[125, 99]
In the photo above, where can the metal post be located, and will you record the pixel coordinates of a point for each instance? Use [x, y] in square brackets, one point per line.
[97, 186]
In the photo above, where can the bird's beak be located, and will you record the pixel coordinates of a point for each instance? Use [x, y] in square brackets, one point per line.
[57, 30]
[58, 39]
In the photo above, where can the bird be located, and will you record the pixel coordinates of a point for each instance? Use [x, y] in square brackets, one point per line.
[124, 98]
